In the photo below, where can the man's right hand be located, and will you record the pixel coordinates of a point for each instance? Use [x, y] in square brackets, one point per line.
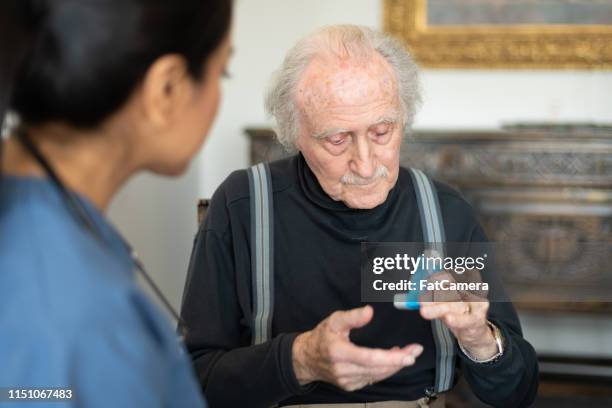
[327, 354]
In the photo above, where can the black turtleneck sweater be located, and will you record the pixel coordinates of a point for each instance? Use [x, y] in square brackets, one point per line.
[317, 271]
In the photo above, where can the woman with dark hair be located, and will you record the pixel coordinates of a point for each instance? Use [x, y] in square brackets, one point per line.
[103, 89]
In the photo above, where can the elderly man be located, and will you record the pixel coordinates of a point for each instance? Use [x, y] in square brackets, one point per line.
[343, 99]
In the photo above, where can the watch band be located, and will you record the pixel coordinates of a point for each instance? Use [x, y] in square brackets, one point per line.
[499, 340]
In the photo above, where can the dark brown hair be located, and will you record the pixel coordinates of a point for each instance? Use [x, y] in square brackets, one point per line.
[79, 60]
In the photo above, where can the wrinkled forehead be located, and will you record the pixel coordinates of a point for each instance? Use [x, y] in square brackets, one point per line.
[334, 83]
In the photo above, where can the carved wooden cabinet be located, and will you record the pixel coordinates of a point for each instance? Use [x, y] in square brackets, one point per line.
[543, 193]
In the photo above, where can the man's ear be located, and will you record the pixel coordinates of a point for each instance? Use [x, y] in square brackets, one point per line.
[165, 88]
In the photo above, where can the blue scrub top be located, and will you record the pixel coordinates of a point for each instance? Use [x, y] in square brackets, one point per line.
[71, 314]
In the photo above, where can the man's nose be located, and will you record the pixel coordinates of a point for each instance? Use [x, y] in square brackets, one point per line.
[362, 162]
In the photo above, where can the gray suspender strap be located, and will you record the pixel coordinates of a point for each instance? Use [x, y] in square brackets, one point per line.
[262, 260]
[433, 237]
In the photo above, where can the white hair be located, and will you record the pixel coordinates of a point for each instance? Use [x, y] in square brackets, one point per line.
[340, 41]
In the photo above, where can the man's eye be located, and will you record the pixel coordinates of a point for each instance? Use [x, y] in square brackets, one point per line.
[382, 132]
[337, 140]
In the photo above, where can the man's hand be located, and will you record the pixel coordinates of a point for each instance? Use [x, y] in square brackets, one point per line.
[465, 314]
[326, 353]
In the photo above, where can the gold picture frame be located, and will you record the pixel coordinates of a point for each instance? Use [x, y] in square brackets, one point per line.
[497, 46]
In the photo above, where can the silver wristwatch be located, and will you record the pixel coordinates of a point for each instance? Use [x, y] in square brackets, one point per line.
[499, 340]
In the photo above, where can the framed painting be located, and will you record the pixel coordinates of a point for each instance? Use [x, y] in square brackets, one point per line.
[504, 33]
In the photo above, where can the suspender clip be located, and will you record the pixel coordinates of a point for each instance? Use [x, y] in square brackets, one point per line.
[431, 394]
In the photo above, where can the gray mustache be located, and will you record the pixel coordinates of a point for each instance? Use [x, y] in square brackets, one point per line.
[354, 179]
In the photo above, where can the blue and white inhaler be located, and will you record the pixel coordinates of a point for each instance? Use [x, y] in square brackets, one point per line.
[410, 299]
